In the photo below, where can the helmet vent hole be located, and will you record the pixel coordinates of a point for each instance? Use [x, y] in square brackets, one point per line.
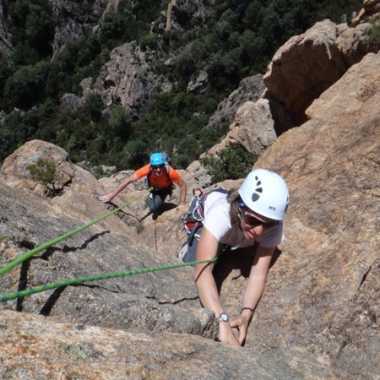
[259, 190]
[255, 197]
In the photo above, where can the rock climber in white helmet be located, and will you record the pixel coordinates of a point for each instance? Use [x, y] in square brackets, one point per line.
[252, 216]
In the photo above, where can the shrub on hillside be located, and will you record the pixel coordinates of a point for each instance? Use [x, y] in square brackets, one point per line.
[44, 172]
[374, 33]
[93, 107]
[149, 41]
[232, 163]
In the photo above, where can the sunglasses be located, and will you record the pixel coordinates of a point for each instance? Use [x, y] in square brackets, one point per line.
[252, 221]
[158, 167]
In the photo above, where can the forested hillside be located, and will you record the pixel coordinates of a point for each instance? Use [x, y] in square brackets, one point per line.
[223, 40]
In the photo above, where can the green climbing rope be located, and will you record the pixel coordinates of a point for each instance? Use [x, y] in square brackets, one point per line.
[103, 276]
[41, 247]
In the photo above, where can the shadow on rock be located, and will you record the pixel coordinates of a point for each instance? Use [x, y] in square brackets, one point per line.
[49, 304]
[22, 283]
[241, 260]
[50, 251]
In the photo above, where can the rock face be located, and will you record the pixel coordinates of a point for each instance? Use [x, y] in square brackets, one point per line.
[73, 19]
[323, 292]
[309, 63]
[70, 103]
[250, 89]
[354, 43]
[28, 218]
[181, 14]
[16, 167]
[112, 7]
[253, 128]
[319, 317]
[142, 303]
[199, 173]
[250, 124]
[127, 78]
[321, 303]
[57, 351]
[5, 44]
[198, 83]
[369, 12]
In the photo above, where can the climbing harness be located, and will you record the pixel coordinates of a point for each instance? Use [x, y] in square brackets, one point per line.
[193, 219]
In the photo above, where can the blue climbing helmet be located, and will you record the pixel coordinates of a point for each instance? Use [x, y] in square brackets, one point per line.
[158, 159]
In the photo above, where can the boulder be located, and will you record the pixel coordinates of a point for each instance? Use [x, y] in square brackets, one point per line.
[73, 190]
[369, 12]
[16, 171]
[250, 124]
[250, 89]
[70, 103]
[307, 64]
[354, 43]
[304, 67]
[198, 83]
[252, 128]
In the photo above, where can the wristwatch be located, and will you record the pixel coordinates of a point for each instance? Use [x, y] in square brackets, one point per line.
[223, 317]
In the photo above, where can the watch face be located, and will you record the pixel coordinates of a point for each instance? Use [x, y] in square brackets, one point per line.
[223, 317]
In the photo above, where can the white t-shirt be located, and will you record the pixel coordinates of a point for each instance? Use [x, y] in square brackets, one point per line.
[218, 223]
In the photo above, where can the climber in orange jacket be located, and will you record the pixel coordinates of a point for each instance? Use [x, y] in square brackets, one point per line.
[160, 176]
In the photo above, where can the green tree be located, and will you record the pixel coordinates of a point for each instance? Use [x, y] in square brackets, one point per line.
[118, 123]
[232, 163]
[93, 107]
[15, 129]
[26, 86]
[32, 29]
[6, 70]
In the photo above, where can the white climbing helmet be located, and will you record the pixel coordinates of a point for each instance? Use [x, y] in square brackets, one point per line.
[265, 193]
